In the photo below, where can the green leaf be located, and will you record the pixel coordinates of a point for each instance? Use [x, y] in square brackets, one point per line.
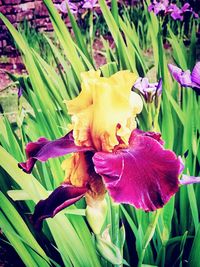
[194, 254]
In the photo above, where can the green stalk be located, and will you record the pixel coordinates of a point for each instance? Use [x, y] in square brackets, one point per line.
[148, 236]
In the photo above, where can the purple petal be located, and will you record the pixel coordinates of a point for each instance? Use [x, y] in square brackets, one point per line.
[144, 175]
[195, 76]
[176, 12]
[150, 7]
[182, 166]
[185, 7]
[20, 92]
[182, 77]
[159, 7]
[195, 15]
[141, 84]
[154, 135]
[90, 4]
[159, 87]
[166, 3]
[63, 7]
[177, 15]
[186, 179]
[185, 79]
[62, 197]
[45, 149]
[171, 7]
[175, 72]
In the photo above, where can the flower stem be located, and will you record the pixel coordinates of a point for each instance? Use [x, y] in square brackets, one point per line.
[148, 236]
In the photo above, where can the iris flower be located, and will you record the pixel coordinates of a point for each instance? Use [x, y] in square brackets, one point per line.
[158, 7]
[108, 152]
[90, 4]
[186, 78]
[177, 13]
[63, 7]
[147, 89]
[172, 9]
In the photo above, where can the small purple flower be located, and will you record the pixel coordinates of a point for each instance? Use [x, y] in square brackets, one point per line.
[186, 78]
[186, 7]
[158, 7]
[63, 7]
[172, 9]
[148, 90]
[176, 12]
[90, 4]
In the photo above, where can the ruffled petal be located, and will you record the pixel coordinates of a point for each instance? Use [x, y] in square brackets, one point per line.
[62, 197]
[112, 102]
[144, 175]
[84, 99]
[104, 111]
[44, 149]
[154, 135]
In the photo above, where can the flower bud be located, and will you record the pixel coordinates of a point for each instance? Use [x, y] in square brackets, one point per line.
[108, 250]
[96, 215]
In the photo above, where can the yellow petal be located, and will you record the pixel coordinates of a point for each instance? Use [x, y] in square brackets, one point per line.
[81, 127]
[104, 112]
[84, 99]
[76, 170]
[112, 110]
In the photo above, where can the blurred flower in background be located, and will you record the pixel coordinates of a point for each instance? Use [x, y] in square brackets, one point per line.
[147, 89]
[164, 7]
[186, 78]
[90, 4]
[63, 7]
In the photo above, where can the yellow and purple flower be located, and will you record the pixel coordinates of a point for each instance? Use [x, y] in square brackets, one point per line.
[108, 152]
